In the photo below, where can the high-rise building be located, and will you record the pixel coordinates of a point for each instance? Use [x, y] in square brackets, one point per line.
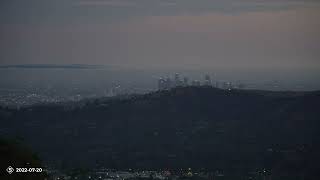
[168, 83]
[177, 81]
[161, 84]
[185, 81]
[227, 85]
[207, 80]
[241, 86]
[217, 84]
[195, 83]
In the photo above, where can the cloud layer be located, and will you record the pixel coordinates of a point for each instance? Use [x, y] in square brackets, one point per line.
[80, 11]
[145, 33]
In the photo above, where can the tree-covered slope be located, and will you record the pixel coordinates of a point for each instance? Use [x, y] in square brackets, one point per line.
[201, 127]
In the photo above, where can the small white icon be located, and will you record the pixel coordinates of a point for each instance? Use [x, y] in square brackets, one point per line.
[10, 169]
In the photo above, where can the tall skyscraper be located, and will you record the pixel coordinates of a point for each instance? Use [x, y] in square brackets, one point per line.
[168, 83]
[185, 81]
[177, 81]
[161, 84]
[207, 80]
[217, 84]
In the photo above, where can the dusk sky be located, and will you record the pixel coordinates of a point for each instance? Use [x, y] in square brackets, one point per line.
[162, 33]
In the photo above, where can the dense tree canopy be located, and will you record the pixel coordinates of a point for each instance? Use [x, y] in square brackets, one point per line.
[238, 131]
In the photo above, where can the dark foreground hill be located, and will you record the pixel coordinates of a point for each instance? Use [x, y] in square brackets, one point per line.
[13, 153]
[237, 131]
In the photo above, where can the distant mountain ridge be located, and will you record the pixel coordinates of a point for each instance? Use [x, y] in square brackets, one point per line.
[53, 66]
[237, 131]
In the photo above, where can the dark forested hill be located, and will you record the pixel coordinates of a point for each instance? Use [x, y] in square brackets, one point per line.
[13, 153]
[200, 127]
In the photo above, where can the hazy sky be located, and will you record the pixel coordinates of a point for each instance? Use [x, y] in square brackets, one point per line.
[162, 33]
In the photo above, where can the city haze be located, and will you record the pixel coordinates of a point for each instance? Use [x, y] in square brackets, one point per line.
[159, 89]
